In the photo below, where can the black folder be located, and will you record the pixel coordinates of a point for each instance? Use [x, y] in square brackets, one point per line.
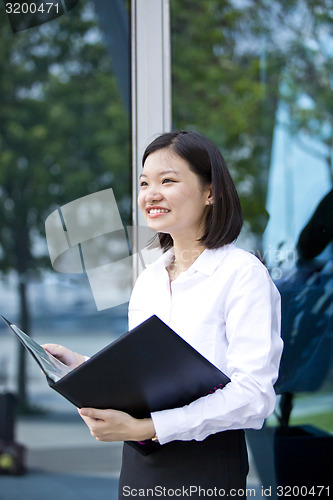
[149, 368]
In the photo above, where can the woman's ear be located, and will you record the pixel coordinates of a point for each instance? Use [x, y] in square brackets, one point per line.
[210, 200]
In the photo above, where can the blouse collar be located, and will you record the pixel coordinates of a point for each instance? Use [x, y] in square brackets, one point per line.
[206, 263]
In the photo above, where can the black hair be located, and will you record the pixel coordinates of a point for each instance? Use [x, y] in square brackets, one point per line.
[224, 219]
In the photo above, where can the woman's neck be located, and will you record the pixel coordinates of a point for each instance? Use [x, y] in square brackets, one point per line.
[184, 256]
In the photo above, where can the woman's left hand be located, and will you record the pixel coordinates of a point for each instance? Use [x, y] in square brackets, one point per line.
[114, 425]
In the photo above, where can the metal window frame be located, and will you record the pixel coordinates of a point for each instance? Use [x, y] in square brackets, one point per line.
[151, 90]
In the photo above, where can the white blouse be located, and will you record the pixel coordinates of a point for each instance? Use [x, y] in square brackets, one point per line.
[227, 307]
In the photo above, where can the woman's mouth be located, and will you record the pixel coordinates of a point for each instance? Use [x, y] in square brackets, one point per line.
[156, 212]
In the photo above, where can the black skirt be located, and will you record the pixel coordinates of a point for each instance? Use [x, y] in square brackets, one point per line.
[187, 469]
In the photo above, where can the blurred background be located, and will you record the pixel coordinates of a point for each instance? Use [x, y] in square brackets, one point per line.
[256, 77]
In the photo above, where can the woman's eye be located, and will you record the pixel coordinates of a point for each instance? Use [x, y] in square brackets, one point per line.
[167, 180]
[143, 183]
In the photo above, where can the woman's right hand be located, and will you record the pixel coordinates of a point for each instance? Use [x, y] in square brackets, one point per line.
[66, 356]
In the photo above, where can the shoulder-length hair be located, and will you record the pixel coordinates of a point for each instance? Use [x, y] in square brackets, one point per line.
[224, 219]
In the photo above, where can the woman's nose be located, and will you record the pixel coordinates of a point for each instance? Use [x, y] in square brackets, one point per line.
[153, 196]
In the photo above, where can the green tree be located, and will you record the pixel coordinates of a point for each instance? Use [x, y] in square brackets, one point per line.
[233, 63]
[306, 89]
[64, 133]
[228, 90]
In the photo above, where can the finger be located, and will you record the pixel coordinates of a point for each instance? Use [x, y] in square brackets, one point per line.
[54, 349]
[95, 426]
[91, 413]
[48, 347]
[92, 424]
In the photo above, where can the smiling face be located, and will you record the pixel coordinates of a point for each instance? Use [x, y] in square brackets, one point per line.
[172, 197]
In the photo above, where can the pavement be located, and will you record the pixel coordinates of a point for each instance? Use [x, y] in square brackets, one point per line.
[64, 462]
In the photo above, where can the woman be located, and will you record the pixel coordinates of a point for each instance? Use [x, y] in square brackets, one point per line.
[222, 301]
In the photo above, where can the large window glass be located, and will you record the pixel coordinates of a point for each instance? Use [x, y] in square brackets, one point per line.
[256, 77]
[64, 136]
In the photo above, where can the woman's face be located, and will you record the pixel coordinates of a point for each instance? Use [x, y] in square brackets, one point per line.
[171, 197]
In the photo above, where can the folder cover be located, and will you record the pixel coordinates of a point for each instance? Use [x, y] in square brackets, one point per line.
[149, 368]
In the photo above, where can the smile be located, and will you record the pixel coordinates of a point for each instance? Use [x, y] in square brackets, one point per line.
[158, 211]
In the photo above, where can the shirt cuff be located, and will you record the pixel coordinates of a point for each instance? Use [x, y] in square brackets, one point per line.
[170, 425]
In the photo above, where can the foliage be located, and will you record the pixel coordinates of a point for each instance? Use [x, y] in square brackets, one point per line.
[233, 63]
[63, 130]
[64, 133]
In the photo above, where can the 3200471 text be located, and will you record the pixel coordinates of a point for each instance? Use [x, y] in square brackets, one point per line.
[31, 8]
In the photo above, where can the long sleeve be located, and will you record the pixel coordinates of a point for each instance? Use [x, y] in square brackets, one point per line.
[234, 322]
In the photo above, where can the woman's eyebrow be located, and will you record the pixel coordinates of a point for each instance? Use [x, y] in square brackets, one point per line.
[161, 174]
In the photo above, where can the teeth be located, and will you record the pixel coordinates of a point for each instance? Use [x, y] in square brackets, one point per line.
[158, 211]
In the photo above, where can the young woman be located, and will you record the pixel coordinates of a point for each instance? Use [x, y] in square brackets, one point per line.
[222, 301]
